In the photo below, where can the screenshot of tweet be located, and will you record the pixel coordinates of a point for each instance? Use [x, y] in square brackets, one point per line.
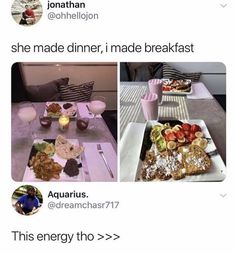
[117, 126]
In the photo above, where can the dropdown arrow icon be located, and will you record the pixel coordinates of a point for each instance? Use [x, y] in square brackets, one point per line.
[223, 195]
[223, 5]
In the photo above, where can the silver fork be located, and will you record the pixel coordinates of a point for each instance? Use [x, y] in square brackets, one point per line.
[100, 151]
[89, 112]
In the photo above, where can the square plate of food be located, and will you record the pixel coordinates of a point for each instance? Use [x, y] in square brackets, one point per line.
[179, 150]
[56, 109]
[177, 87]
[55, 160]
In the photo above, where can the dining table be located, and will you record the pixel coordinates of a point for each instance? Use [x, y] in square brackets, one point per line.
[199, 104]
[94, 168]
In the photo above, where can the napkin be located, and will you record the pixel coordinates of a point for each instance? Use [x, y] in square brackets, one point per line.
[96, 166]
[199, 92]
[83, 111]
[130, 147]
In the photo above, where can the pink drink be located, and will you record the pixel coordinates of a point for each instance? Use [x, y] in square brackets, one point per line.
[149, 102]
[155, 86]
[97, 107]
[27, 114]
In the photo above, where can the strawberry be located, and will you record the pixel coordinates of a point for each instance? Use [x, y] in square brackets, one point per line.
[195, 128]
[186, 127]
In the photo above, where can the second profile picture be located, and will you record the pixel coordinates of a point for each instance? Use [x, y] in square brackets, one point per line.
[26, 12]
[27, 200]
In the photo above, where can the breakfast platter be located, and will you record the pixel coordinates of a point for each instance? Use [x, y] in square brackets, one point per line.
[177, 87]
[179, 151]
[55, 160]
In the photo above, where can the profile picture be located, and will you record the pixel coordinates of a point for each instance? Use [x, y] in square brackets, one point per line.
[26, 12]
[27, 200]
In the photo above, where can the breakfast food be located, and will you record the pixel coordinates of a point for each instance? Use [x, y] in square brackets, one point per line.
[195, 160]
[72, 168]
[173, 85]
[176, 152]
[65, 149]
[44, 167]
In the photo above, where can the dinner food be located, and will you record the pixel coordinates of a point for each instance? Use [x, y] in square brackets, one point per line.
[45, 147]
[60, 108]
[175, 152]
[65, 149]
[44, 167]
[67, 105]
[173, 85]
[72, 168]
[53, 109]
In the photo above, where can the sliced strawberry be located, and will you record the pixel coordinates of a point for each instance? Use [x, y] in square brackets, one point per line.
[186, 127]
[170, 137]
[191, 137]
[179, 135]
[186, 133]
[195, 128]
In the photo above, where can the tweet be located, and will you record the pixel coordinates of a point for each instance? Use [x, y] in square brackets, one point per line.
[117, 126]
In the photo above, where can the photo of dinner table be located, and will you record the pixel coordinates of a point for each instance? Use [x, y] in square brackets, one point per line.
[64, 122]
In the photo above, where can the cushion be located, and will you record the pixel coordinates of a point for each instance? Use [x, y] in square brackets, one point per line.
[172, 73]
[77, 92]
[144, 71]
[46, 92]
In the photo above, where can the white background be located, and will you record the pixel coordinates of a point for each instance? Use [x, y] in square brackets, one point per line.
[178, 217]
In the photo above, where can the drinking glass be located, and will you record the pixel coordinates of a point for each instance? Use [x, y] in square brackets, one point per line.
[97, 106]
[27, 114]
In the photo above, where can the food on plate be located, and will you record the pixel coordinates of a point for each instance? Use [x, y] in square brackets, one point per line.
[53, 109]
[175, 152]
[44, 167]
[70, 111]
[67, 105]
[72, 168]
[65, 149]
[47, 148]
[195, 160]
[173, 85]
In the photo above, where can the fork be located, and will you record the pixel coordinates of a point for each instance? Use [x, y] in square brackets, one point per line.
[89, 112]
[100, 151]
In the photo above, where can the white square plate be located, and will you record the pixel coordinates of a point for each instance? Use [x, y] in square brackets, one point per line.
[30, 176]
[218, 169]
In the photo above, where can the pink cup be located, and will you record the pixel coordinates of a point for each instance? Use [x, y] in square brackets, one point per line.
[149, 102]
[155, 86]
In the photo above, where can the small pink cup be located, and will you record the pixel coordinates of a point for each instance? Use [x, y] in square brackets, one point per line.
[149, 102]
[155, 86]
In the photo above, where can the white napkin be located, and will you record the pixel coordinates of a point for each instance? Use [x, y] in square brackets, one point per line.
[96, 166]
[199, 92]
[84, 112]
[130, 147]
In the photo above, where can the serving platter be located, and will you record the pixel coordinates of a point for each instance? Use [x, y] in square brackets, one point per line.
[71, 111]
[168, 82]
[29, 174]
[217, 171]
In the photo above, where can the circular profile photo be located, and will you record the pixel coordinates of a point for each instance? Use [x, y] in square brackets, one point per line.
[26, 12]
[27, 200]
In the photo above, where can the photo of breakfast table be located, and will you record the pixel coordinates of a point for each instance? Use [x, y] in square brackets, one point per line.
[98, 148]
[199, 105]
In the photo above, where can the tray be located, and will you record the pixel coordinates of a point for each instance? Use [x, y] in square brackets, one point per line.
[29, 174]
[218, 169]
